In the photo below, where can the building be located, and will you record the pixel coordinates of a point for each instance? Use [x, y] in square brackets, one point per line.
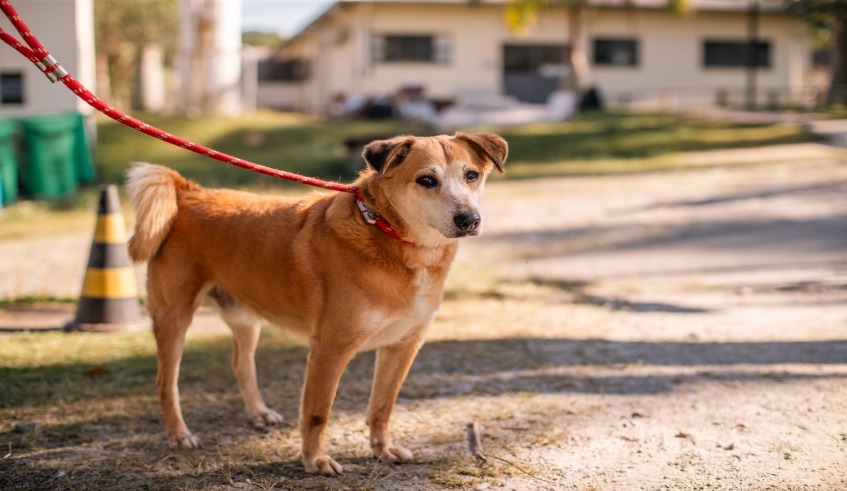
[66, 28]
[46, 131]
[639, 53]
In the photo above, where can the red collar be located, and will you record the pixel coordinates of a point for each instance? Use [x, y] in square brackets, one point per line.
[375, 219]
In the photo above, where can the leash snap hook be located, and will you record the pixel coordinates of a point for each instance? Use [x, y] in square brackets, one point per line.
[368, 215]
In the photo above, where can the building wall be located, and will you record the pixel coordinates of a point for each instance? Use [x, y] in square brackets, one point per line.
[336, 56]
[670, 67]
[476, 35]
[671, 54]
[71, 43]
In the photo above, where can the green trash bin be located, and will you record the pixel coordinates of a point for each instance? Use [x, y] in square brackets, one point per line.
[52, 151]
[8, 162]
[82, 156]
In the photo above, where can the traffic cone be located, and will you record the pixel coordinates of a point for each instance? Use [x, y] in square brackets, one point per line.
[109, 299]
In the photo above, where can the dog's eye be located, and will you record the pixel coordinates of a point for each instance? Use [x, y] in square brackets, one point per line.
[472, 175]
[427, 181]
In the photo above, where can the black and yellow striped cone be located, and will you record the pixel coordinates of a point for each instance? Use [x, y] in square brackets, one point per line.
[109, 299]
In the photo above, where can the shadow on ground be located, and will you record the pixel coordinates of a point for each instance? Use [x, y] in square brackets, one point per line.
[205, 369]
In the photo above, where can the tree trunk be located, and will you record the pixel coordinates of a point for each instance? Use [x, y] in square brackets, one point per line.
[104, 83]
[838, 83]
[579, 61]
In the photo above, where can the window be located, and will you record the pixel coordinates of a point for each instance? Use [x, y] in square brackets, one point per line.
[11, 88]
[733, 54]
[616, 52]
[288, 70]
[410, 48]
[533, 59]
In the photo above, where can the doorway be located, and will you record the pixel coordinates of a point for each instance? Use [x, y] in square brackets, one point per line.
[531, 72]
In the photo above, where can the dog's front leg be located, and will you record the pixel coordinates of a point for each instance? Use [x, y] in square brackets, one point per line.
[326, 363]
[392, 366]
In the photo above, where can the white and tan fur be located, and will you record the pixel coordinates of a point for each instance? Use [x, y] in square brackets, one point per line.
[314, 266]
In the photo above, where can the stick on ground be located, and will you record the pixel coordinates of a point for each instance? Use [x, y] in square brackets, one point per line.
[475, 441]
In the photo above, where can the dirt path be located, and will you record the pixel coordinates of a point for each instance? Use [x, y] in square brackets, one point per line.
[689, 330]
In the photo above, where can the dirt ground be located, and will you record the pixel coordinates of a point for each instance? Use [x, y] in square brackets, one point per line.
[683, 330]
[700, 337]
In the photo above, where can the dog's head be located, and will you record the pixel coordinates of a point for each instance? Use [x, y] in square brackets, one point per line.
[434, 184]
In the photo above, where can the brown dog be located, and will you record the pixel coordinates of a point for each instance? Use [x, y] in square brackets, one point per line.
[319, 266]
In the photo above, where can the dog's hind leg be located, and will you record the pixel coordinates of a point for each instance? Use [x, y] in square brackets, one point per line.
[172, 308]
[170, 328]
[246, 326]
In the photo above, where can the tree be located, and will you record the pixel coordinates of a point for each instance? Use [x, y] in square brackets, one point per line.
[262, 38]
[830, 18]
[122, 28]
[521, 14]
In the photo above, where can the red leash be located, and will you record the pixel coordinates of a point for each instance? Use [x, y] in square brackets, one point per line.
[54, 71]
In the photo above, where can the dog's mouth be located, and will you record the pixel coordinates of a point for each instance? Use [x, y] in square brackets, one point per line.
[459, 233]
[463, 224]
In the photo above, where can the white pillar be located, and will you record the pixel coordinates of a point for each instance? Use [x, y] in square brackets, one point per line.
[151, 79]
[209, 62]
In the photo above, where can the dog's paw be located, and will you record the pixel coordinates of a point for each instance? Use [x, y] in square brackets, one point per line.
[323, 465]
[394, 453]
[186, 440]
[266, 417]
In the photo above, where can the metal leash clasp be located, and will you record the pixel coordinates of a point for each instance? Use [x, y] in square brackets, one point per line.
[367, 214]
[51, 68]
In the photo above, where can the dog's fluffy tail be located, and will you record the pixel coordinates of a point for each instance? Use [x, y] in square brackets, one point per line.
[153, 190]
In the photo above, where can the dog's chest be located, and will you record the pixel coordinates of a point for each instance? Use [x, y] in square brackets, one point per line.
[391, 327]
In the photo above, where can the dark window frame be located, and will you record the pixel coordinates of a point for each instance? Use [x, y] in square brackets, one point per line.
[16, 81]
[732, 53]
[285, 70]
[396, 48]
[604, 47]
[409, 48]
[530, 58]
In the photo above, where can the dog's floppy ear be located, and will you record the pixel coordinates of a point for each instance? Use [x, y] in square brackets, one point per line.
[487, 145]
[382, 153]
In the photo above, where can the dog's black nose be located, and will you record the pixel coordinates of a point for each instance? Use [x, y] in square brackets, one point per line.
[467, 222]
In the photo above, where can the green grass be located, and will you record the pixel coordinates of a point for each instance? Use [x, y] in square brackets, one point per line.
[315, 147]
[36, 300]
[285, 141]
[636, 136]
[605, 144]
